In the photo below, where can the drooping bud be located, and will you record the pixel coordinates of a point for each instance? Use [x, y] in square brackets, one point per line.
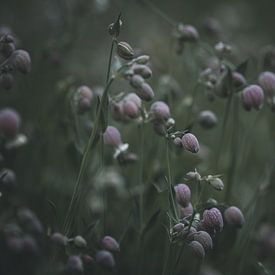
[142, 59]
[190, 143]
[9, 123]
[238, 79]
[177, 142]
[125, 51]
[112, 136]
[160, 110]
[253, 97]
[80, 242]
[145, 92]
[188, 33]
[267, 82]
[74, 265]
[136, 81]
[212, 219]
[105, 259]
[198, 249]
[110, 244]
[6, 80]
[134, 98]
[186, 211]
[207, 119]
[83, 97]
[193, 175]
[234, 217]
[216, 183]
[183, 194]
[7, 180]
[222, 49]
[204, 239]
[142, 70]
[130, 109]
[179, 227]
[21, 61]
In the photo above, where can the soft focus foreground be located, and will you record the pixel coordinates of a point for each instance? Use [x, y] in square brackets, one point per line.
[137, 137]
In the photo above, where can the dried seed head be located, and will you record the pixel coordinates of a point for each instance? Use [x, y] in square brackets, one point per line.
[198, 249]
[105, 259]
[21, 61]
[110, 244]
[9, 123]
[234, 217]
[7, 180]
[183, 194]
[253, 97]
[160, 110]
[190, 143]
[207, 119]
[212, 219]
[238, 79]
[112, 136]
[204, 239]
[80, 242]
[59, 239]
[74, 265]
[267, 82]
[145, 92]
[142, 70]
[186, 211]
[216, 183]
[125, 51]
[136, 81]
[142, 59]
[6, 81]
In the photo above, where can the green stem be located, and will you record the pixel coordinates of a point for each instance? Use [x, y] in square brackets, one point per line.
[141, 173]
[110, 60]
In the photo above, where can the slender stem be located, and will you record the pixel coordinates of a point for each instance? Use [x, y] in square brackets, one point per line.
[167, 258]
[110, 60]
[141, 172]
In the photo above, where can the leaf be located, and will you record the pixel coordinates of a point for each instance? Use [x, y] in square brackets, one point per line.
[242, 67]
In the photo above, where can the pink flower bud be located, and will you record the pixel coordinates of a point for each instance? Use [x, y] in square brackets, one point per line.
[160, 110]
[59, 239]
[238, 79]
[145, 92]
[204, 239]
[74, 265]
[134, 98]
[198, 249]
[9, 123]
[136, 81]
[110, 244]
[84, 96]
[186, 211]
[190, 143]
[112, 136]
[142, 70]
[207, 119]
[179, 227]
[130, 109]
[183, 194]
[234, 216]
[267, 82]
[253, 97]
[212, 219]
[105, 259]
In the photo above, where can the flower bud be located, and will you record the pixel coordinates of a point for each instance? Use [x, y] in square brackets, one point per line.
[84, 96]
[190, 143]
[159, 127]
[222, 49]
[21, 61]
[198, 249]
[142, 70]
[6, 81]
[134, 98]
[137, 81]
[74, 265]
[160, 110]
[207, 119]
[267, 82]
[234, 217]
[112, 136]
[110, 244]
[253, 97]
[145, 92]
[125, 51]
[58, 239]
[29, 245]
[216, 183]
[212, 219]
[238, 79]
[130, 109]
[189, 233]
[105, 259]
[177, 142]
[9, 123]
[204, 239]
[193, 175]
[7, 180]
[188, 33]
[80, 242]
[87, 260]
[179, 227]
[142, 59]
[186, 211]
[183, 194]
